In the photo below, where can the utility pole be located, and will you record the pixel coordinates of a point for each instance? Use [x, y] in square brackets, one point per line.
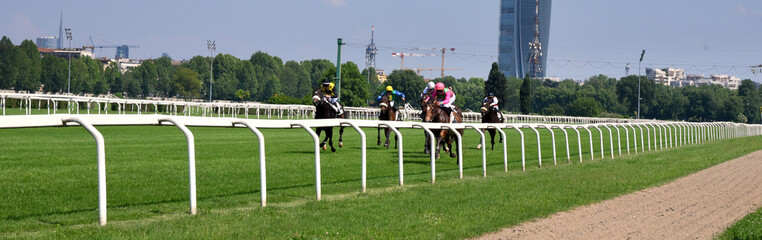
[338, 71]
[211, 45]
[68, 37]
[641, 60]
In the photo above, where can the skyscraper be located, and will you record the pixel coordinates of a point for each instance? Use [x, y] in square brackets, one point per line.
[517, 20]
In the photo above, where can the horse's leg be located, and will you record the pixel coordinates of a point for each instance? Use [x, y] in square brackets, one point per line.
[378, 136]
[341, 137]
[386, 132]
[330, 138]
[479, 146]
[396, 139]
[426, 147]
[319, 131]
[492, 136]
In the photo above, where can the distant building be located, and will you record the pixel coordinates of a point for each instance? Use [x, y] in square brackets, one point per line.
[381, 74]
[667, 76]
[675, 77]
[48, 42]
[517, 31]
[126, 64]
[66, 53]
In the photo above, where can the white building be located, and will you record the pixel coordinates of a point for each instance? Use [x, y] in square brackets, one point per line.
[667, 76]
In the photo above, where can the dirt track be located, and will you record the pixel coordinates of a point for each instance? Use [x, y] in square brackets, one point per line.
[698, 206]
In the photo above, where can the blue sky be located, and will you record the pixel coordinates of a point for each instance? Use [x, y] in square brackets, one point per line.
[587, 36]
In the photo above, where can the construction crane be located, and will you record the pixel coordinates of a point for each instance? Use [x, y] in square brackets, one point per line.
[440, 50]
[418, 70]
[122, 51]
[403, 55]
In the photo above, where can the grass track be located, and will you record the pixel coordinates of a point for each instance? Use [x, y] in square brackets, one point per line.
[49, 177]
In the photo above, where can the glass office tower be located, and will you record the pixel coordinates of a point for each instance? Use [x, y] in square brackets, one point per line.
[517, 30]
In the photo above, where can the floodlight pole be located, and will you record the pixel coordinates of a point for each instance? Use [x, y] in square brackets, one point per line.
[338, 70]
[68, 84]
[212, 47]
[641, 60]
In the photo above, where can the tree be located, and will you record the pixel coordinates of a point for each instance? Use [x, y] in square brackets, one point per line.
[296, 81]
[408, 82]
[270, 87]
[247, 78]
[165, 74]
[113, 78]
[497, 83]
[750, 96]
[585, 107]
[225, 81]
[553, 110]
[525, 95]
[8, 68]
[54, 74]
[186, 84]
[241, 94]
[469, 93]
[31, 70]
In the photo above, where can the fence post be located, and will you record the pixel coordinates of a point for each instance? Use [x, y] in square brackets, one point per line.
[317, 156]
[592, 152]
[566, 138]
[484, 150]
[601, 133]
[523, 150]
[611, 140]
[262, 168]
[101, 155]
[553, 139]
[399, 149]
[579, 142]
[459, 139]
[433, 150]
[363, 158]
[505, 147]
[191, 160]
[539, 147]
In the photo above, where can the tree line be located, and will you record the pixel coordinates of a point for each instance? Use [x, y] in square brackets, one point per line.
[267, 78]
[603, 96]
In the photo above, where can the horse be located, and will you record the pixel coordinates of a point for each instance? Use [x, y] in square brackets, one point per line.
[490, 115]
[323, 110]
[432, 112]
[387, 114]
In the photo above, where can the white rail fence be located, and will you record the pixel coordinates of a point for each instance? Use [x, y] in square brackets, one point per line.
[94, 105]
[670, 134]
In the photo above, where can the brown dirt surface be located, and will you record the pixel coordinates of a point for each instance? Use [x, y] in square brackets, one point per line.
[699, 206]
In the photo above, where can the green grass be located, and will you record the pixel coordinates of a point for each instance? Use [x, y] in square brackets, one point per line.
[50, 184]
[750, 227]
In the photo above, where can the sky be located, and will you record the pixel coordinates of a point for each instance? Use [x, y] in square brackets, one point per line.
[587, 37]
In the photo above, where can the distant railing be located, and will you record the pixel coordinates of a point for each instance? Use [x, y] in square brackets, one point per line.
[95, 105]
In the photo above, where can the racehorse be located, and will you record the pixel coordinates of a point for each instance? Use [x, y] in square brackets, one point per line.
[431, 112]
[387, 114]
[323, 110]
[490, 115]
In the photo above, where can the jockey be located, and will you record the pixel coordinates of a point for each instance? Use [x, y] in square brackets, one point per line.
[493, 104]
[330, 96]
[427, 91]
[391, 92]
[445, 98]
